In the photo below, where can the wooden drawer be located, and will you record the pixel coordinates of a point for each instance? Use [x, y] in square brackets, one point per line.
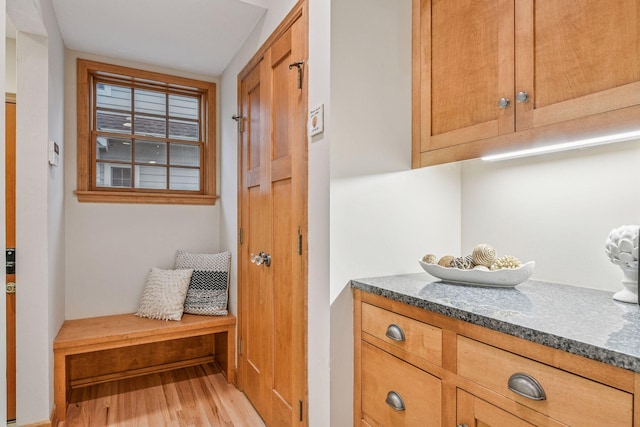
[571, 399]
[420, 339]
[420, 392]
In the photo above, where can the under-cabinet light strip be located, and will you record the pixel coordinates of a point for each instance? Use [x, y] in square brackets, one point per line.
[590, 142]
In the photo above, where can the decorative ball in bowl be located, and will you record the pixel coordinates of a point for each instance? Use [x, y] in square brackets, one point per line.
[482, 268]
[621, 247]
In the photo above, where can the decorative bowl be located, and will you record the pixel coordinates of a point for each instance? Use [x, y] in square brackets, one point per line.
[503, 278]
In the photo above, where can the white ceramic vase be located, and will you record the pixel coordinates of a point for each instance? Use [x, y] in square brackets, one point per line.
[622, 249]
[630, 283]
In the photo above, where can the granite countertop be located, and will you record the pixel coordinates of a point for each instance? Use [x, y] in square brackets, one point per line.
[585, 322]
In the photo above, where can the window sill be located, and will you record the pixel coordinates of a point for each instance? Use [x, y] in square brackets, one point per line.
[150, 198]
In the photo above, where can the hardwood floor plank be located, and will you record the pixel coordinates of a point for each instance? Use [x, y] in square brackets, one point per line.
[196, 396]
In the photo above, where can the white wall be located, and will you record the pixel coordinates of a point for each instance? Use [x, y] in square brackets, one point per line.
[555, 209]
[10, 66]
[384, 216]
[110, 247]
[32, 256]
[55, 199]
[39, 209]
[318, 216]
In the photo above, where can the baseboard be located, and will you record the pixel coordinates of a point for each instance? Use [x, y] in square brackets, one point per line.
[53, 421]
[39, 424]
[54, 417]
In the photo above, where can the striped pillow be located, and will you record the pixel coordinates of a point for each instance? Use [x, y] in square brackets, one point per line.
[209, 287]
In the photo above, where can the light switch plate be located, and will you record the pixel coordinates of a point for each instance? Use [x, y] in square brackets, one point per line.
[54, 153]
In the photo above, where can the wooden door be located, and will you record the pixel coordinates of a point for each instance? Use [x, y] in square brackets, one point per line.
[272, 217]
[465, 50]
[474, 412]
[10, 198]
[576, 58]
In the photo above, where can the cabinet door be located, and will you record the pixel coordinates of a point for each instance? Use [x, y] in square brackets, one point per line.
[576, 58]
[474, 412]
[466, 64]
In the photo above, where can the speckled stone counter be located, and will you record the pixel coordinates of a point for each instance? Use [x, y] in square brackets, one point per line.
[581, 321]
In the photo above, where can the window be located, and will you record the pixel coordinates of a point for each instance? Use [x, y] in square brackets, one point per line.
[144, 137]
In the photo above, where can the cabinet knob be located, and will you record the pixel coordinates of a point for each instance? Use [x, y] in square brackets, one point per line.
[522, 97]
[527, 386]
[395, 333]
[395, 401]
[504, 103]
[462, 425]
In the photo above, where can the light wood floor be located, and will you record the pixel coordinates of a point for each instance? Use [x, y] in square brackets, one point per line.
[197, 396]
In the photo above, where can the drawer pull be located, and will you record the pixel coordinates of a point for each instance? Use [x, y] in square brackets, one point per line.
[395, 401]
[526, 386]
[395, 333]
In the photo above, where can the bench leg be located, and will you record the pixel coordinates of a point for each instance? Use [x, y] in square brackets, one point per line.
[231, 354]
[60, 384]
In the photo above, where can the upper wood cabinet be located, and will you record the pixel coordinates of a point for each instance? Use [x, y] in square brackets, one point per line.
[492, 75]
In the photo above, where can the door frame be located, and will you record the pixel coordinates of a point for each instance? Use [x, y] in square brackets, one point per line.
[10, 302]
[300, 11]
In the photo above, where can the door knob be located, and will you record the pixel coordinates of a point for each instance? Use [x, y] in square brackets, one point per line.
[261, 258]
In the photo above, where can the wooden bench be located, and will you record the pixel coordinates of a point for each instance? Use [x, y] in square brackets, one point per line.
[99, 349]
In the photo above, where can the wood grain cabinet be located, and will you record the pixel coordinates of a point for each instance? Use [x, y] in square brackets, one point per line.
[414, 367]
[492, 75]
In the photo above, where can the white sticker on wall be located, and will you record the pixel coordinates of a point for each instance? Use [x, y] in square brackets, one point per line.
[316, 120]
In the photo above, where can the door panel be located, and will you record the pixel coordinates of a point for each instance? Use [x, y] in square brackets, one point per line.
[256, 301]
[258, 339]
[282, 82]
[272, 313]
[283, 251]
[253, 117]
[10, 195]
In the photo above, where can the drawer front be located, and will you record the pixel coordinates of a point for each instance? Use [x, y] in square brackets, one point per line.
[421, 339]
[387, 378]
[571, 399]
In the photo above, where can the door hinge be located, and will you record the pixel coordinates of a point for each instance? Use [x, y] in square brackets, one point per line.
[240, 120]
[240, 235]
[300, 409]
[10, 259]
[11, 287]
[240, 346]
[299, 242]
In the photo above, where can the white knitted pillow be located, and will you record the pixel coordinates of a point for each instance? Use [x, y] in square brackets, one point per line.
[164, 294]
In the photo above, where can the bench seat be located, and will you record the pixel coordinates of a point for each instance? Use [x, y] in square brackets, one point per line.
[126, 331]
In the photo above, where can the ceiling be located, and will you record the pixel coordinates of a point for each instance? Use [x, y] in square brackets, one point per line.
[200, 36]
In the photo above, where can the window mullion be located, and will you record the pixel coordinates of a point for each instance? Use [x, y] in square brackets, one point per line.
[133, 138]
[92, 143]
[168, 144]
